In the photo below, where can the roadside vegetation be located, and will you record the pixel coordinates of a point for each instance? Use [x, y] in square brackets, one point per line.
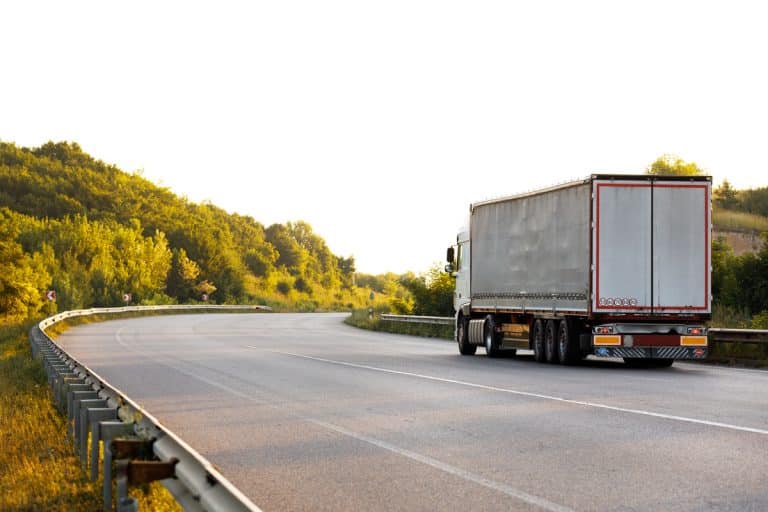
[730, 220]
[38, 467]
[93, 233]
[366, 320]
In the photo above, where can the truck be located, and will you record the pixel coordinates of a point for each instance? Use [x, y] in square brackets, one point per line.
[614, 266]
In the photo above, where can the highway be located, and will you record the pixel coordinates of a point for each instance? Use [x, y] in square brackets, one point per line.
[302, 412]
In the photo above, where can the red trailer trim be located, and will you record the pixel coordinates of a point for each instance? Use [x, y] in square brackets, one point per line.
[597, 307]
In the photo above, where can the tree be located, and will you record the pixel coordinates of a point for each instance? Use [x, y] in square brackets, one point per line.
[347, 269]
[725, 196]
[22, 283]
[432, 292]
[99, 232]
[725, 289]
[183, 276]
[291, 255]
[670, 165]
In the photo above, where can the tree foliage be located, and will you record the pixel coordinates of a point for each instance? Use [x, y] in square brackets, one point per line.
[740, 282]
[432, 292]
[93, 232]
[753, 201]
[671, 165]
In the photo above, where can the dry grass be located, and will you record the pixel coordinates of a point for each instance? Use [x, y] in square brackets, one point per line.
[728, 220]
[38, 468]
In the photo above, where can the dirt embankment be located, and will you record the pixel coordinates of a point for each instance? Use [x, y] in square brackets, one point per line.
[740, 241]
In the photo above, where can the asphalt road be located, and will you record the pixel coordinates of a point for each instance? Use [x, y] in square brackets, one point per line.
[302, 412]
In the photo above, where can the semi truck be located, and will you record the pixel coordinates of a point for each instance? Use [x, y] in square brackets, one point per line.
[609, 266]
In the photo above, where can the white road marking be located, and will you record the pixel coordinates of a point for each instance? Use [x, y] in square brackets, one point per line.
[447, 468]
[532, 395]
[434, 463]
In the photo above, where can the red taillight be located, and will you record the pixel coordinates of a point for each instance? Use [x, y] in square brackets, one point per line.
[696, 331]
[604, 330]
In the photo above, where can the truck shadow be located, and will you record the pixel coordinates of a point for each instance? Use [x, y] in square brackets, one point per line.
[596, 363]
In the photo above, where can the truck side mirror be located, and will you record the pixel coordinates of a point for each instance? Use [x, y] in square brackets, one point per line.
[449, 255]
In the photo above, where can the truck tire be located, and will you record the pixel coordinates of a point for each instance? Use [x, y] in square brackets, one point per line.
[462, 337]
[490, 337]
[550, 342]
[538, 341]
[568, 348]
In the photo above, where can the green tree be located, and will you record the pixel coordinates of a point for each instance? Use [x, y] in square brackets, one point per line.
[725, 196]
[432, 292]
[725, 288]
[100, 232]
[754, 201]
[670, 165]
[23, 281]
[291, 255]
[183, 276]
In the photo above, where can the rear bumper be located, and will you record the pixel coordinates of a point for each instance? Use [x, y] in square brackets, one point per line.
[653, 352]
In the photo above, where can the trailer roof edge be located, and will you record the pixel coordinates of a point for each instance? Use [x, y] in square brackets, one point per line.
[589, 179]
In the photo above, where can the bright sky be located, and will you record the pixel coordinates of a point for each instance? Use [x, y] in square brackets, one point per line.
[379, 122]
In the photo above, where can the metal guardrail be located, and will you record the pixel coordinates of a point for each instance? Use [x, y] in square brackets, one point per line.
[412, 319]
[755, 336]
[716, 334]
[142, 449]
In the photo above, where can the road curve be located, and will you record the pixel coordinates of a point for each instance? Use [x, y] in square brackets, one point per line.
[302, 412]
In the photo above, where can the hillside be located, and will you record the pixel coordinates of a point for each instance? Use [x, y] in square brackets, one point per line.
[740, 217]
[93, 232]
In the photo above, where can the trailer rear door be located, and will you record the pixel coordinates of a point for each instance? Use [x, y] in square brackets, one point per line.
[651, 246]
[681, 247]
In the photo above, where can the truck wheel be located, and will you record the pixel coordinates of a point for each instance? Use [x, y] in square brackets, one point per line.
[568, 350]
[462, 337]
[550, 342]
[538, 341]
[490, 337]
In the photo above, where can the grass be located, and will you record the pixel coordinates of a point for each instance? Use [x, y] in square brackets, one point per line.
[728, 317]
[359, 318]
[38, 466]
[729, 220]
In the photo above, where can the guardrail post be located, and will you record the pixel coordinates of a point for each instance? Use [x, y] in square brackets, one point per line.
[73, 417]
[84, 424]
[132, 472]
[53, 371]
[62, 391]
[110, 430]
[95, 417]
[123, 450]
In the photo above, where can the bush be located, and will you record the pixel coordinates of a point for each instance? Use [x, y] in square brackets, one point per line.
[760, 321]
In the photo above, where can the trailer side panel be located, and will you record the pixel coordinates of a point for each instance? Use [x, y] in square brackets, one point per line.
[533, 252]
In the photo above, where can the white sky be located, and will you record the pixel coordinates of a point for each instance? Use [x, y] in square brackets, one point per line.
[379, 122]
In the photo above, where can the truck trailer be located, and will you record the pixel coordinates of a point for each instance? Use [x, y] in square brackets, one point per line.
[608, 266]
